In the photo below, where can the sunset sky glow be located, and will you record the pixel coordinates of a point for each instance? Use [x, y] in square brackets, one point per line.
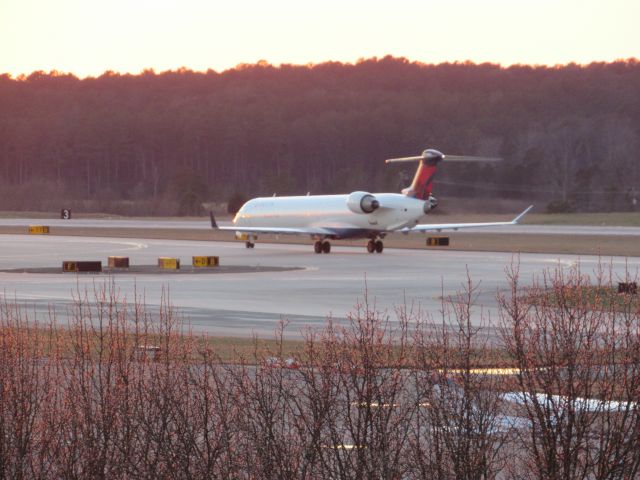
[88, 37]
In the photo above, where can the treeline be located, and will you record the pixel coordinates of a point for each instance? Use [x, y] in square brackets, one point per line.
[170, 141]
[371, 398]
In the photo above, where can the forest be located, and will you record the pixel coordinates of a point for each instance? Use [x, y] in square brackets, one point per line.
[165, 143]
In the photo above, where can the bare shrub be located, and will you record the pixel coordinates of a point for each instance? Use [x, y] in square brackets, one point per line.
[576, 345]
[123, 391]
[90, 401]
[28, 379]
[365, 363]
[460, 430]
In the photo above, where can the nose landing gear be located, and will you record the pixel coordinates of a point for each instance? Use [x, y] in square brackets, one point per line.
[322, 246]
[375, 246]
[250, 239]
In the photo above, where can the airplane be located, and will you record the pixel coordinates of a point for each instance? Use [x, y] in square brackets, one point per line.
[561, 402]
[355, 215]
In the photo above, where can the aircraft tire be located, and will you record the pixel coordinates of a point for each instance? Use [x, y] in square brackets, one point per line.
[249, 244]
[326, 247]
[379, 246]
[371, 246]
[317, 247]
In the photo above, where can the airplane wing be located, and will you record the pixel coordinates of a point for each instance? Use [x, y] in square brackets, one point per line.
[561, 402]
[428, 227]
[281, 231]
[274, 230]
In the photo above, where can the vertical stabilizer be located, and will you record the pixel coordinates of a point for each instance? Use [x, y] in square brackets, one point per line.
[423, 180]
[429, 160]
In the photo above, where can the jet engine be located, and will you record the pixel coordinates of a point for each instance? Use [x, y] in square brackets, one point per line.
[430, 204]
[362, 202]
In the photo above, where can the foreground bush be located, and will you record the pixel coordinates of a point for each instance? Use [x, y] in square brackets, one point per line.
[369, 398]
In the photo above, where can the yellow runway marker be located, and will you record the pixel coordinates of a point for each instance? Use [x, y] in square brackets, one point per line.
[38, 230]
[204, 261]
[169, 263]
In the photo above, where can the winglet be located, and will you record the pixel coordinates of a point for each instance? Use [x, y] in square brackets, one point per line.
[214, 225]
[519, 217]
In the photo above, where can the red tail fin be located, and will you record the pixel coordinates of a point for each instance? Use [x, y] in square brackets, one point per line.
[422, 182]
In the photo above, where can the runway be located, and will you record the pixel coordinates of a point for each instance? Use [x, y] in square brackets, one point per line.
[241, 304]
[205, 225]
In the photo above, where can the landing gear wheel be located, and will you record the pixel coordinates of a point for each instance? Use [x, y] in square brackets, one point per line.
[249, 244]
[317, 247]
[379, 246]
[371, 246]
[326, 247]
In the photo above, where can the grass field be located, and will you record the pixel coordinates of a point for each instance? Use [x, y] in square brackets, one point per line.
[250, 350]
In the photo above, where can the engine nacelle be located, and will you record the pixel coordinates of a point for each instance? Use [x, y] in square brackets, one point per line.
[430, 204]
[362, 202]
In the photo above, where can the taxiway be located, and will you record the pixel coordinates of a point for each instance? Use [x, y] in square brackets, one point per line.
[204, 224]
[241, 304]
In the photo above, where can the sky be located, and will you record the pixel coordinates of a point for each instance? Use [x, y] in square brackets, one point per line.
[89, 37]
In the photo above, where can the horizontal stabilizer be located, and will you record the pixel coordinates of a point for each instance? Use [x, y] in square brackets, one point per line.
[469, 158]
[403, 159]
[448, 158]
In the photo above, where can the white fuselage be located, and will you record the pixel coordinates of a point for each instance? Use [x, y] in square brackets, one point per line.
[330, 211]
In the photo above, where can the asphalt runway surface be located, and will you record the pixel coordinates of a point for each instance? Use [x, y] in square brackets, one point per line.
[241, 304]
[204, 224]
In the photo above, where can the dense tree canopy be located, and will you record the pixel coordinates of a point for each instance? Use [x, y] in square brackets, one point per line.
[569, 134]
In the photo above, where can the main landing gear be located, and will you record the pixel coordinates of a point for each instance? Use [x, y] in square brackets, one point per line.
[249, 244]
[375, 246]
[322, 246]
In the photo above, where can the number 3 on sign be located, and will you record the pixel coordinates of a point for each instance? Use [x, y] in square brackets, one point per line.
[65, 214]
